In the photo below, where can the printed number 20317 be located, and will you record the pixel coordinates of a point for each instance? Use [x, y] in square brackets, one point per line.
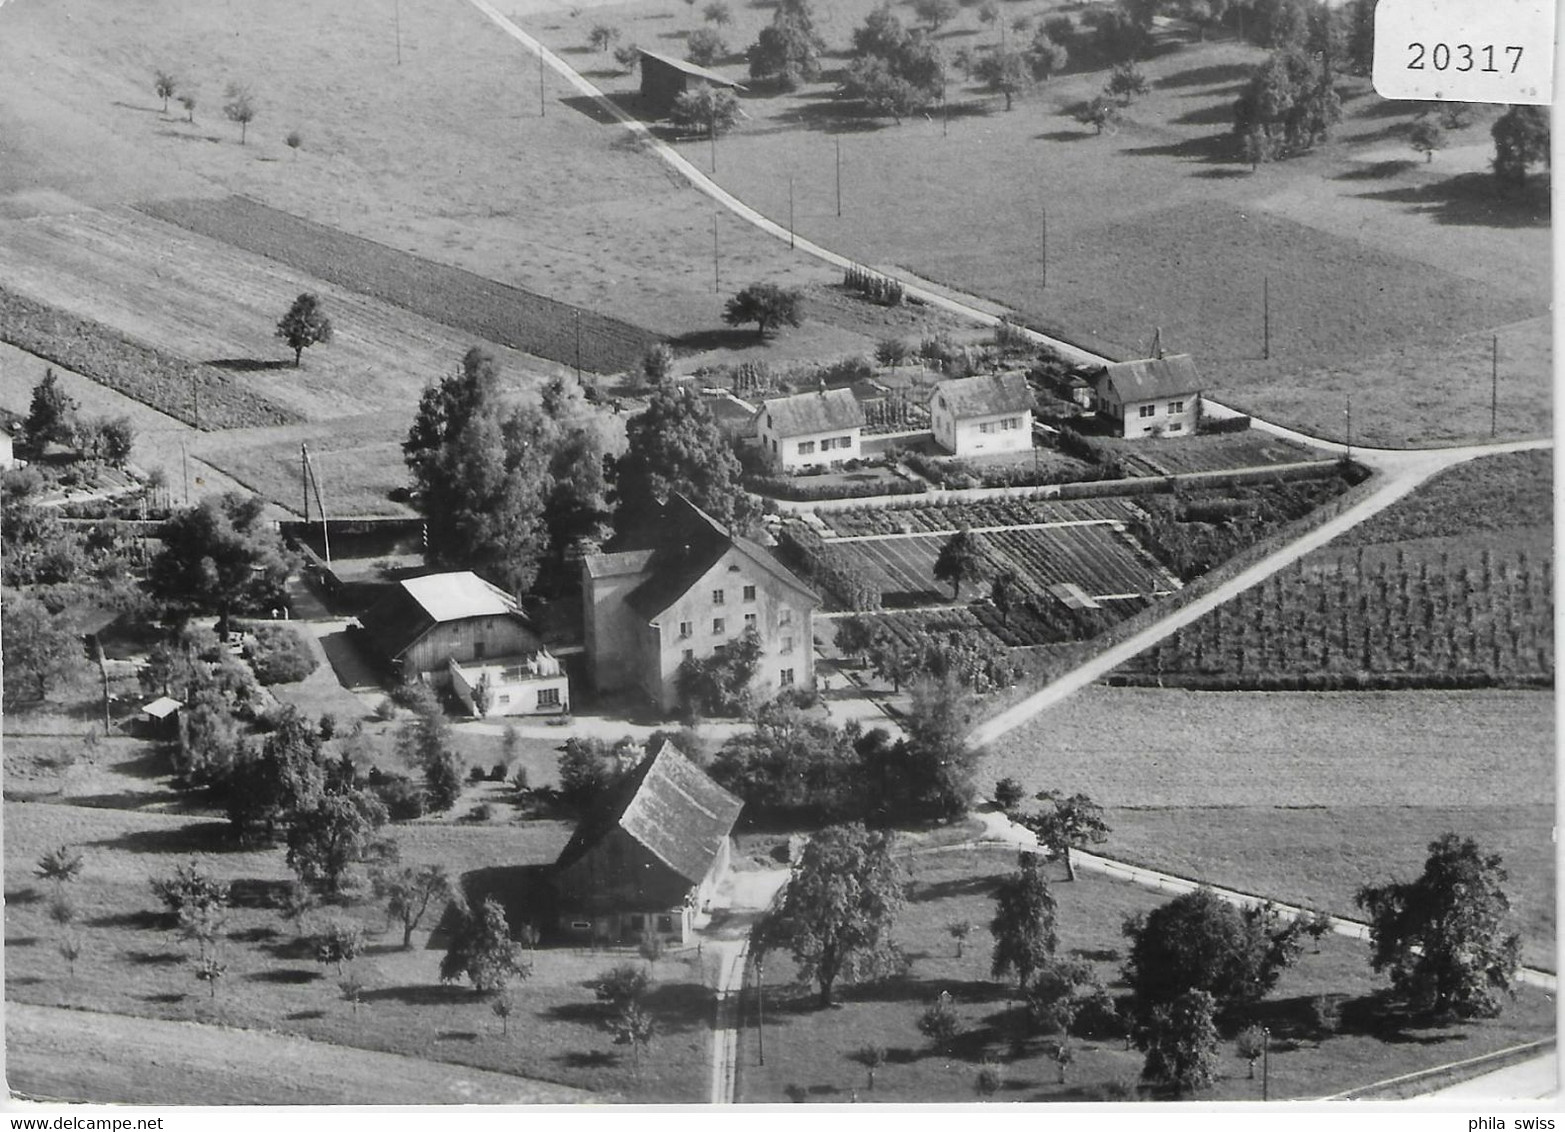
[1460, 57]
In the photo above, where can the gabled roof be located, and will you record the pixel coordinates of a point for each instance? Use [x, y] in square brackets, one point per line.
[416, 605]
[1148, 378]
[682, 543]
[986, 395]
[805, 414]
[162, 707]
[669, 806]
[690, 68]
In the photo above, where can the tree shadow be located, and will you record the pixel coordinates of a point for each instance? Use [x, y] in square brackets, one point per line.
[523, 891]
[957, 886]
[628, 101]
[1212, 148]
[1377, 170]
[142, 920]
[146, 763]
[23, 896]
[457, 1036]
[700, 341]
[133, 106]
[1067, 135]
[1474, 200]
[1096, 954]
[603, 73]
[249, 365]
[1209, 75]
[155, 958]
[1222, 173]
[294, 947]
[286, 976]
[249, 892]
[172, 998]
[1388, 108]
[1217, 114]
[423, 994]
[253, 935]
[197, 837]
[588, 1059]
[304, 1015]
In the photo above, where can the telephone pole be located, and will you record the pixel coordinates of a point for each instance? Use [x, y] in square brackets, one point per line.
[790, 212]
[1266, 317]
[1494, 384]
[397, 21]
[717, 283]
[839, 175]
[1043, 248]
[541, 111]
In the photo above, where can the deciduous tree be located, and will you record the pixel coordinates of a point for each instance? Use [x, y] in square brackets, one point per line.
[481, 950]
[788, 50]
[1100, 113]
[408, 891]
[40, 649]
[1005, 71]
[305, 324]
[1521, 139]
[960, 560]
[240, 109]
[767, 305]
[1067, 823]
[1290, 99]
[705, 46]
[221, 555]
[706, 110]
[1126, 83]
[164, 85]
[1023, 924]
[1180, 1041]
[1441, 936]
[838, 910]
[338, 831]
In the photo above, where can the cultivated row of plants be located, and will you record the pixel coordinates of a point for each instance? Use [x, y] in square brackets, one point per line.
[944, 518]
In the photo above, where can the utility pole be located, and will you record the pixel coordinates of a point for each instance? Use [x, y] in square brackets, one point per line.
[1266, 1063]
[711, 132]
[1348, 413]
[541, 112]
[304, 477]
[1044, 244]
[184, 461]
[397, 19]
[1266, 317]
[760, 1009]
[717, 283]
[578, 346]
[839, 175]
[1494, 385]
[790, 212]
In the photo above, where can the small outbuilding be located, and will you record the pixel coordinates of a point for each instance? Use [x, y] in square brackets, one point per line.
[664, 78]
[649, 857]
[1150, 396]
[161, 717]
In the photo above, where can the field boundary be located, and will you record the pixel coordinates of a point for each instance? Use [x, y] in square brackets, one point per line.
[498, 312]
[1499, 1059]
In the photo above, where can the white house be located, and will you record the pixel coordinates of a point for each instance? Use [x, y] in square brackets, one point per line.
[1150, 397]
[979, 416]
[810, 429]
[534, 685]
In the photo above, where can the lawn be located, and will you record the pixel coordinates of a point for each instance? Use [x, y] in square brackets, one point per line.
[810, 1052]
[1167, 456]
[132, 964]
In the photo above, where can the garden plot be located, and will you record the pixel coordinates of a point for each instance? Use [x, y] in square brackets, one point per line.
[998, 513]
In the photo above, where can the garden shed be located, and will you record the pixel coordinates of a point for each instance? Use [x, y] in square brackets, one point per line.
[664, 78]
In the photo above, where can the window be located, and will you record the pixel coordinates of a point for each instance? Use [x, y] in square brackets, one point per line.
[785, 616]
[478, 650]
[718, 627]
[986, 427]
[686, 629]
[1176, 427]
[749, 593]
[787, 644]
[1011, 424]
[785, 678]
[806, 447]
[637, 923]
[505, 699]
[690, 654]
[1148, 410]
[548, 697]
[749, 621]
[1176, 406]
[581, 925]
[665, 923]
[717, 597]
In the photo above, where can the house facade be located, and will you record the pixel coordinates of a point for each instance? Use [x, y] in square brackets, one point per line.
[810, 430]
[426, 622]
[649, 857]
[984, 415]
[684, 588]
[664, 78]
[535, 685]
[1150, 397]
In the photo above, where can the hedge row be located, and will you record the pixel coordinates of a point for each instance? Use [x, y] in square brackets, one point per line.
[162, 381]
[1214, 426]
[808, 490]
[846, 584]
[1328, 681]
[958, 475]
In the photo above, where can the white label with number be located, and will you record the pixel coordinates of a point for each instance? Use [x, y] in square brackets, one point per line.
[1465, 50]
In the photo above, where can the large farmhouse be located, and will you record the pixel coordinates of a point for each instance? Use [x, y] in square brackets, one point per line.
[647, 859]
[457, 630]
[681, 587]
[979, 416]
[664, 78]
[1150, 397]
[810, 430]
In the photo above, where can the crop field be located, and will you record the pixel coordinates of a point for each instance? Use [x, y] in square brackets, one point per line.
[928, 519]
[221, 306]
[1496, 494]
[1169, 456]
[511, 316]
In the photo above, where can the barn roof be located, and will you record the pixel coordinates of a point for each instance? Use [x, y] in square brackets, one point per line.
[416, 605]
[669, 806]
[162, 707]
[692, 69]
[805, 414]
[1148, 378]
[986, 395]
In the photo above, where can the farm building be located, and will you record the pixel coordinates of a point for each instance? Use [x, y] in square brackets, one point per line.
[426, 622]
[664, 78]
[534, 685]
[161, 717]
[810, 430]
[680, 587]
[1150, 397]
[649, 857]
[979, 416]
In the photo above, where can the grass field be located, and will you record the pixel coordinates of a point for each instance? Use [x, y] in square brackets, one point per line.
[1167, 456]
[809, 1052]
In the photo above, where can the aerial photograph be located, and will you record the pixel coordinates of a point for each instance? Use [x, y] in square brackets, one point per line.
[768, 552]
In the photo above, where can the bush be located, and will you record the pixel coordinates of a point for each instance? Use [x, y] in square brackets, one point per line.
[403, 798]
[498, 771]
[278, 655]
[790, 487]
[1215, 426]
[1008, 794]
[878, 288]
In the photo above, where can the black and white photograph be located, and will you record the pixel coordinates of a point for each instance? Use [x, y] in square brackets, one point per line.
[773, 552]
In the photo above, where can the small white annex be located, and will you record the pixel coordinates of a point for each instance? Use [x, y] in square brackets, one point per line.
[980, 416]
[1150, 397]
[533, 685]
[810, 430]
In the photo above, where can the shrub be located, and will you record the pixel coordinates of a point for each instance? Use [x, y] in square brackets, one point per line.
[497, 772]
[878, 288]
[940, 1023]
[278, 655]
[1215, 426]
[790, 487]
[705, 46]
[403, 798]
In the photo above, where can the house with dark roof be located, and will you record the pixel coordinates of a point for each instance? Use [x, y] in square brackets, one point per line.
[426, 623]
[649, 857]
[664, 78]
[810, 430]
[1150, 397]
[983, 415]
[680, 586]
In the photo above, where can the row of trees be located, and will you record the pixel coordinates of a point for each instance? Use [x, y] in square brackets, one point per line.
[239, 105]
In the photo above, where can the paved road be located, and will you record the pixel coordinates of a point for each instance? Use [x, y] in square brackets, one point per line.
[113, 1058]
[747, 895]
[1535, 1079]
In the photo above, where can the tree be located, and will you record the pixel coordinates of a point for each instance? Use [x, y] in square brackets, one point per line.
[51, 415]
[1005, 71]
[718, 12]
[792, 767]
[1067, 823]
[960, 560]
[190, 888]
[838, 909]
[409, 891]
[1062, 990]
[1008, 794]
[892, 351]
[676, 446]
[1119, 34]
[340, 943]
[221, 555]
[1180, 1042]
[1440, 936]
[1046, 55]
[706, 110]
[935, 13]
[765, 304]
[937, 765]
[855, 637]
[1521, 139]
[1100, 113]
[1205, 14]
[788, 50]
[40, 650]
[627, 55]
[164, 85]
[503, 1007]
[602, 37]
[589, 768]
[706, 46]
[621, 986]
[119, 436]
[293, 140]
[1426, 136]
[635, 1028]
[1126, 83]
[239, 108]
[1198, 942]
[720, 684]
[481, 950]
[1006, 593]
[188, 101]
[304, 325]
[1290, 99]
[209, 970]
[940, 1023]
[336, 832]
[287, 776]
[59, 866]
[959, 930]
[871, 1057]
[1023, 924]
[894, 71]
[1249, 1045]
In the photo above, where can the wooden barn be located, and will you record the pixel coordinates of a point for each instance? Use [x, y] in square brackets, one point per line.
[664, 78]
